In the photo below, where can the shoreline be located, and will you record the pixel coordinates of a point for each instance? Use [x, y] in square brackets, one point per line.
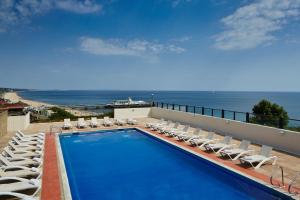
[14, 97]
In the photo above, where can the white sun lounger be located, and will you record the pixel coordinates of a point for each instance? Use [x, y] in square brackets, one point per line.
[67, 124]
[169, 129]
[41, 134]
[21, 154]
[150, 124]
[163, 127]
[261, 158]
[120, 122]
[19, 184]
[32, 143]
[209, 138]
[24, 147]
[198, 133]
[94, 122]
[20, 161]
[18, 195]
[131, 121]
[29, 138]
[177, 133]
[107, 121]
[217, 147]
[236, 153]
[20, 171]
[155, 127]
[81, 123]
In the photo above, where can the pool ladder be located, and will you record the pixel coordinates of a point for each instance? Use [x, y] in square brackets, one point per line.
[282, 185]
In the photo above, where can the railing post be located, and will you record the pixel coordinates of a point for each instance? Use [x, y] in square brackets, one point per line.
[247, 117]
[194, 109]
[162, 105]
[186, 108]
[212, 112]
[233, 115]
[173, 106]
[202, 110]
[223, 113]
[167, 106]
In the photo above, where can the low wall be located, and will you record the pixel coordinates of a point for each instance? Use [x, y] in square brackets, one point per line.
[283, 140]
[20, 122]
[124, 113]
[3, 122]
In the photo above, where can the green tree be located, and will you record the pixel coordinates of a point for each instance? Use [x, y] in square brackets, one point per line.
[270, 114]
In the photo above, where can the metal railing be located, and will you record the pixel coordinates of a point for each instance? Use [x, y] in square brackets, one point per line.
[278, 122]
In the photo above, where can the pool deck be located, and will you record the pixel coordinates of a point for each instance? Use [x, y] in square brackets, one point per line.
[51, 174]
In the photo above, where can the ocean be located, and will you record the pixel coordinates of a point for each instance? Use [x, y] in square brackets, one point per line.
[236, 101]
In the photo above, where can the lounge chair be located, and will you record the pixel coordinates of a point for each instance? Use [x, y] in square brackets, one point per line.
[236, 153]
[94, 122]
[197, 133]
[41, 134]
[67, 124]
[81, 123]
[20, 171]
[261, 158]
[161, 128]
[217, 147]
[120, 122]
[107, 121]
[18, 195]
[32, 143]
[21, 154]
[29, 138]
[20, 161]
[150, 124]
[24, 147]
[209, 138]
[14, 184]
[166, 130]
[131, 121]
[155, 127]
[179, 132]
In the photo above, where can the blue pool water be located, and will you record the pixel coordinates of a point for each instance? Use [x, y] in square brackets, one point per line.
[129, 164]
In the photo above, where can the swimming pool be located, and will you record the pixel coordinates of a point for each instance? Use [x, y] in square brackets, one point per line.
[130, 164]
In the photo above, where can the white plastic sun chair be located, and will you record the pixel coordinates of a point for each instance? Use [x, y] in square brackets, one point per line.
[30, 143]
[67, 124]
[18, 196]
[155, 127]
[120, 122]
[197, 133]
[94, 122]
[261, 158]
[209, 138]
[41, 134]
[21, 161]
[26, 141]
[217, 147]
[20, 171]
[25, 147]
[169, 129]
[29, 138]
[161, 128]
[236, 153]
[177, 133]
[81, 123]
[14, 184]
[22, 154]
[150, 124]
[107, 121]
[131, 121]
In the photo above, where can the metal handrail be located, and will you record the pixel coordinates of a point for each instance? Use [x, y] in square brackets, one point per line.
[291, 184]
[55, 127]
[274, 170]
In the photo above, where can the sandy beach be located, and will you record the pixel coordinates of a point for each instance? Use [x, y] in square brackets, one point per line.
[14, 97]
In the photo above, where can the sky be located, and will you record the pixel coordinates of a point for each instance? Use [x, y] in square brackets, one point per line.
[230, 45]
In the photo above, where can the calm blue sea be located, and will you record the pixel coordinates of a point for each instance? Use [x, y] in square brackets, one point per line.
[238, 101]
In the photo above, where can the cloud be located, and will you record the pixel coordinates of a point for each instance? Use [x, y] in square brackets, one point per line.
[14, 12]
[255, 24]
[118, 47]
[175, 3]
